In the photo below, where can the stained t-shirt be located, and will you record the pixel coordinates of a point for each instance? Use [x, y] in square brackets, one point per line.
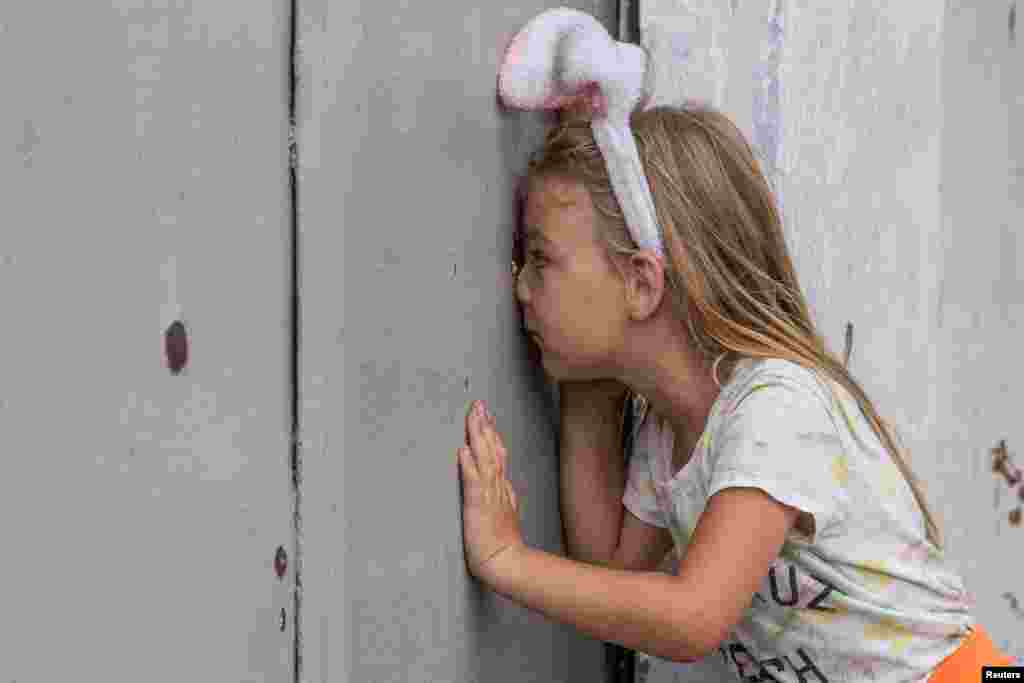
[868, 597]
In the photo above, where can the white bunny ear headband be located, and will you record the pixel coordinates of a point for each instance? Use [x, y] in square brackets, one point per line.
[563, 55]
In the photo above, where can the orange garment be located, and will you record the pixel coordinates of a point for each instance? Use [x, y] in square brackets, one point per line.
[964, 665]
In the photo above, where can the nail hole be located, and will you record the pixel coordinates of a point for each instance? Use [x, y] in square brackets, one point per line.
[283, 618]
[176, 346]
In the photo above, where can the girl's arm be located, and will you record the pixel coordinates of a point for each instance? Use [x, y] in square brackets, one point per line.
[680, 618]
[591, 469]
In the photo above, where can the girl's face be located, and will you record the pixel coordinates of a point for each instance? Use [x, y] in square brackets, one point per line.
[572, 297]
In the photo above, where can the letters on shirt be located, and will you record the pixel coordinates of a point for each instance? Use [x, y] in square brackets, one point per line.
[785, 588]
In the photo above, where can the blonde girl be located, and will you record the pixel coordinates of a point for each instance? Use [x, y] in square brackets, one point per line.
[807, 551]
[806, 548]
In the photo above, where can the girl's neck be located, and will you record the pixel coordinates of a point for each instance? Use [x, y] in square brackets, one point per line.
[685, 438]
[682, 391]
[659, 361]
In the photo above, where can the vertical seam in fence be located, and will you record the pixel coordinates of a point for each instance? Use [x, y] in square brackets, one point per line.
[294, 312]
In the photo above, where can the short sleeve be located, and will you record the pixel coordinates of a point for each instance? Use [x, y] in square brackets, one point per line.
[780, 438]
[639, 496]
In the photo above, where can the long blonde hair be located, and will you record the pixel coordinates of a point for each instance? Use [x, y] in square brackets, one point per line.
[728, 272]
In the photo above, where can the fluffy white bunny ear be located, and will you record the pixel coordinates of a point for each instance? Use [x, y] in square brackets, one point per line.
[563, 55]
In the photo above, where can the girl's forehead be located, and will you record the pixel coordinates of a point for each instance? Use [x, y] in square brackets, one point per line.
[560, 214]
[558, 192]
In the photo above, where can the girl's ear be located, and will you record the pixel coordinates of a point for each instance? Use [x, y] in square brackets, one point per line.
[646, 266]
[642, 281]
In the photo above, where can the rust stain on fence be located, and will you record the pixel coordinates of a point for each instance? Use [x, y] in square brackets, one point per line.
[1002, 465]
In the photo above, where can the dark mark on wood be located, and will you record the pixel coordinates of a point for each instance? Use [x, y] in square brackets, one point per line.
[280, 562]
[176, 346]
[1012, 22]
[1014, 604]
[849, 345]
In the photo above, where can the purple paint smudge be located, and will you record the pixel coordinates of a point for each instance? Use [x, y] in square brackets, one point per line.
[766, 94]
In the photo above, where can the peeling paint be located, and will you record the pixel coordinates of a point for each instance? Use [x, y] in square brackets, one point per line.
[1012, 474]
[1001, 465]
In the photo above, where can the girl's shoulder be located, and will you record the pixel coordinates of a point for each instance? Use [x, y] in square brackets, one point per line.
[791, 383]
[751, 374]
[748, 375]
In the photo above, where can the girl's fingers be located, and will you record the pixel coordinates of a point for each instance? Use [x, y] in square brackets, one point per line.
[499, 463]
[470, 424]
[482, 448]
[486, 448]
[512, 495]
[499, 451]
[465, 458]
[495, 442]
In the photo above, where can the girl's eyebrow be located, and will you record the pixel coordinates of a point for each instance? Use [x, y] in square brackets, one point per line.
[533, 232]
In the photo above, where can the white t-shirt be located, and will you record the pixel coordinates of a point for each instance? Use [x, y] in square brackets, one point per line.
[869, 598]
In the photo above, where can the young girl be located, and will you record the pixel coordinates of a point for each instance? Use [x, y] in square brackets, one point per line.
[806, 549]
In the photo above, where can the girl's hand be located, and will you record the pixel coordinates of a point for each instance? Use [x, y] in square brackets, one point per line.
[490, 512]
